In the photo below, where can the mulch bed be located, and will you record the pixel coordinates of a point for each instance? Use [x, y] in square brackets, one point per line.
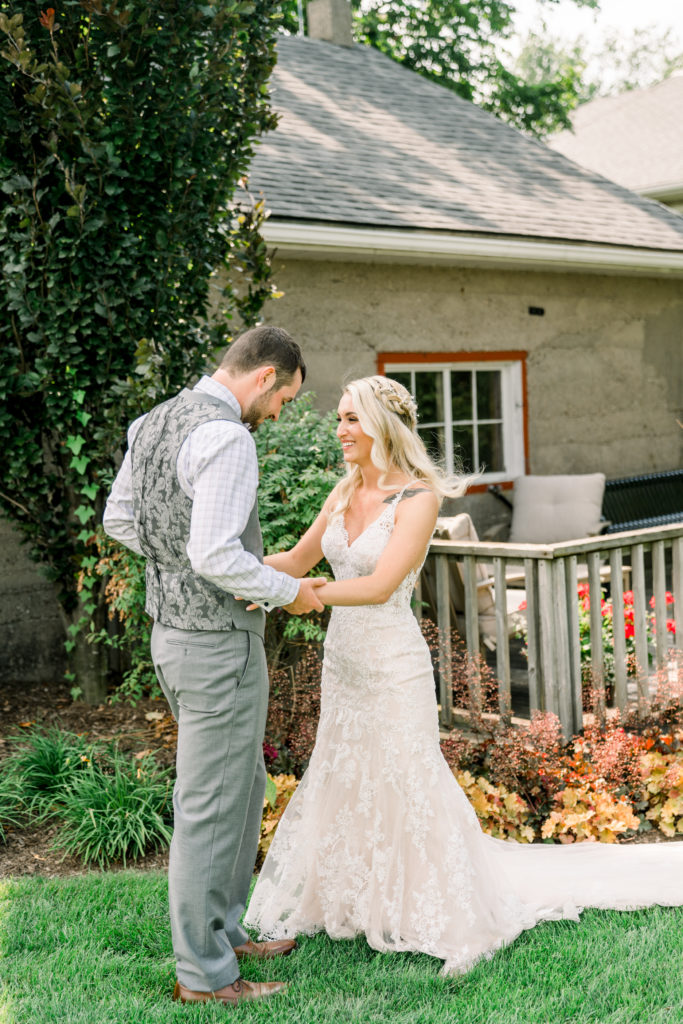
[29, 851]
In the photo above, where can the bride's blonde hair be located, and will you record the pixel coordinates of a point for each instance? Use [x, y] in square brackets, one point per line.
[387, 413]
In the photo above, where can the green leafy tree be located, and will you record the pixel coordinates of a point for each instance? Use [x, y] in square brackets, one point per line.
[617, 63]
[126, 128]
[460, 45]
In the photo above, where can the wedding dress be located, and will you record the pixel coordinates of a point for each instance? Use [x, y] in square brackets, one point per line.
[380, 839]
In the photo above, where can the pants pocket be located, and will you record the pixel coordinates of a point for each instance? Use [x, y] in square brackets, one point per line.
[205, 676]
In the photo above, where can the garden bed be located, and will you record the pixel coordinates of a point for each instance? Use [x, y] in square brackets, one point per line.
[28, 851]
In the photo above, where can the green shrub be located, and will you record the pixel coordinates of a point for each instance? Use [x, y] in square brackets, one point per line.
[300, 462]
[117, 809]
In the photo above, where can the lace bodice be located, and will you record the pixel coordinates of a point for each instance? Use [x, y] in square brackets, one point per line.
[360, 557]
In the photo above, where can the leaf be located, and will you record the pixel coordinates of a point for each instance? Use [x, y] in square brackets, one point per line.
[80, 464]
[75, 443]
[83, 513]
[271, 791]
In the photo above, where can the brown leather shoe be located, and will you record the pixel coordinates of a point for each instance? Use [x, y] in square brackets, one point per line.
[239, 992]
[265, 950]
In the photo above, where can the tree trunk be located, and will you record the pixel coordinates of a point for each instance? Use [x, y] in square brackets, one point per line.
[88, 664]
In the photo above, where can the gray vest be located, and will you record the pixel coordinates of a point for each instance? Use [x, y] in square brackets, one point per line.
[177, 596]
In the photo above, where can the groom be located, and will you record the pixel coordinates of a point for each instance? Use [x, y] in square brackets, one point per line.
[186, 498]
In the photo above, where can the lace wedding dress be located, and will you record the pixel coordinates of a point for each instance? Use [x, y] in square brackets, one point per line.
[380, 839]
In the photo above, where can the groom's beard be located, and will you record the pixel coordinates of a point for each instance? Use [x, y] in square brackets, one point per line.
[254, 415]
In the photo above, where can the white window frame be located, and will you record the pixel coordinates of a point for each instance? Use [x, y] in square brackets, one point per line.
[512, 399]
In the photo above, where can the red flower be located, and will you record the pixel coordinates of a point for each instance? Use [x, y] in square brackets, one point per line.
[47, 18]
[521, 607]
[671, 625]
[628, 597]
[629, 629]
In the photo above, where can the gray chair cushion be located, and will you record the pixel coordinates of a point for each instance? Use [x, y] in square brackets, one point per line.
[549, 509]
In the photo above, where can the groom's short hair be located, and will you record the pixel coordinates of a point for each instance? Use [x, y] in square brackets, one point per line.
[265, 346]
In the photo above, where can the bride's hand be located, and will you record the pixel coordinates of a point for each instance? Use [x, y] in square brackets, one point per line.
[305, 601]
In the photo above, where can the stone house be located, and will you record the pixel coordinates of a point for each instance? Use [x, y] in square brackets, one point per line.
[534, 306]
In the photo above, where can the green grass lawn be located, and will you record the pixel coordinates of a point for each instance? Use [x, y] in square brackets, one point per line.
[96, 949]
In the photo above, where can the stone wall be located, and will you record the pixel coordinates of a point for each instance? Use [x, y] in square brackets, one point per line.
[31, 631]
[604, 373]
[605, 377]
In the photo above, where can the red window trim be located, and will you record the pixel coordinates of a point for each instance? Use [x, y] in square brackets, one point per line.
[470, 357]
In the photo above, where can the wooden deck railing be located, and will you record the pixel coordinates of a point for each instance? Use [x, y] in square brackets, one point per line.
[552, 612]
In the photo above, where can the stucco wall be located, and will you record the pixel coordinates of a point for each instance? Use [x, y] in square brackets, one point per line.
[605, 375]
[31, 632]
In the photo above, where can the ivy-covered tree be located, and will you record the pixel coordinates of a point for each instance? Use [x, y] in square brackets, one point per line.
[459, 44]
[126, 126]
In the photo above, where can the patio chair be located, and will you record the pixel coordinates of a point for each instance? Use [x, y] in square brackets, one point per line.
[550, 509]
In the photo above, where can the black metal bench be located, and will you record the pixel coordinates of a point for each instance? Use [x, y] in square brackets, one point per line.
[634, 502]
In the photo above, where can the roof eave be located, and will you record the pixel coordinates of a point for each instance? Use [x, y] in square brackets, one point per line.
[671, 192]
[317, 240]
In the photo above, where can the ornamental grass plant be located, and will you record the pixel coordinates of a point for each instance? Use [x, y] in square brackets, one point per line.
[11, 808]
[115, 810]
[107, 806]
[44, 764]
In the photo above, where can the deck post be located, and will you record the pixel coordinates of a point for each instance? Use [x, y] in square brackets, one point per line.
[640, 626]
[659, 586]
[472, 630]
[443, 621]
[616, 562]
[502, 642]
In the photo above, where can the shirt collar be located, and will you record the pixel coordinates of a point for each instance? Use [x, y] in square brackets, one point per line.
[210, 386]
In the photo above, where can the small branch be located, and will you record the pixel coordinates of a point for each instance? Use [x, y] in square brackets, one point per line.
[23, 508]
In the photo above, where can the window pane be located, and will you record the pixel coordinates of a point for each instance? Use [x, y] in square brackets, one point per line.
[434, 441]
[429, 396]
[491, 453]
[463, 448]
[489, 402]
[461, 395]
[402, 378]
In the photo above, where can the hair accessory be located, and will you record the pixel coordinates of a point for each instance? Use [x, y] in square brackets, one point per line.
[402, 404]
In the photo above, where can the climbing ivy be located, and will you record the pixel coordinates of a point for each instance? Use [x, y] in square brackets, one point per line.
[126, 130]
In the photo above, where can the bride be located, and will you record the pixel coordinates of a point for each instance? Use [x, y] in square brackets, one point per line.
[379, 838]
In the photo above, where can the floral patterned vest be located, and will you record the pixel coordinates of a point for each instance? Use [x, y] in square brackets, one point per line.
[177, 596]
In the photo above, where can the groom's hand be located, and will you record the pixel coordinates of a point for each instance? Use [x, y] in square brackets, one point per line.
[307, 600]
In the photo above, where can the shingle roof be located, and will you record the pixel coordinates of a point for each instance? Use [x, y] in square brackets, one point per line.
[635, 138]
[364, 141]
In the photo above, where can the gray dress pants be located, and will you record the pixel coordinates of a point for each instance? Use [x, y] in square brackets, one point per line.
[216, 683]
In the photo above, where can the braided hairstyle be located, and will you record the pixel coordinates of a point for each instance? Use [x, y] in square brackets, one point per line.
[387, 413]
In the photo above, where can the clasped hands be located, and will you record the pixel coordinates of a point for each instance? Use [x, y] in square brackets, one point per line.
[306, 600]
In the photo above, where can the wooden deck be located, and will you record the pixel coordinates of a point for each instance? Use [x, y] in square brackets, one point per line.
[654, 559]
